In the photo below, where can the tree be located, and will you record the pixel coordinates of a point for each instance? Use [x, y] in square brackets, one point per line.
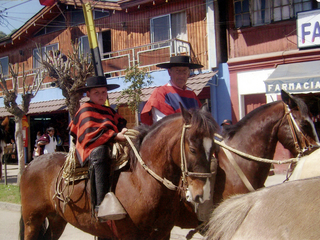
[10, 96]
[136, 77]
[70, 74]
[2, 34]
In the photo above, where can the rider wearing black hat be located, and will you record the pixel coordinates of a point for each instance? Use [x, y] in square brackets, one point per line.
[96, 127]
[165, 99]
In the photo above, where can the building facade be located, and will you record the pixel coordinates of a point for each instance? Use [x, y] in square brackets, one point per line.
[140, 32]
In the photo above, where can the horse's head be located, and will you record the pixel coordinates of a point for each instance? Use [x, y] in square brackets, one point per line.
[196, 152]
[296, 132]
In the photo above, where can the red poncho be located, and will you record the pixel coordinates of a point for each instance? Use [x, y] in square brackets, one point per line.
[92, 126]
[166, 99]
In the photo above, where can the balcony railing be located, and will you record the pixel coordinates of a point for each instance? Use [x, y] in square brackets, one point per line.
[115, 63]
[147, 56]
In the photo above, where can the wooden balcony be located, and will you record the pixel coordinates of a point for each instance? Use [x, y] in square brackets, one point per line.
[115, 63]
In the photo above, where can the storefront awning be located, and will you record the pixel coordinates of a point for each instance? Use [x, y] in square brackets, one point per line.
[295, 78]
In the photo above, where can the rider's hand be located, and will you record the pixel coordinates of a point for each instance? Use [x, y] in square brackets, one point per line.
[120, 136]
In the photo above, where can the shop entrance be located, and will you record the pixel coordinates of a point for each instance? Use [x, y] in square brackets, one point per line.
[59, 121]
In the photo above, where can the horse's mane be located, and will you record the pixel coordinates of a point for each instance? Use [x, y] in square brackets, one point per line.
[201, 121]
[231, 130]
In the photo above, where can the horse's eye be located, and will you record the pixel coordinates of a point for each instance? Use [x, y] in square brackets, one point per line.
[192, 150]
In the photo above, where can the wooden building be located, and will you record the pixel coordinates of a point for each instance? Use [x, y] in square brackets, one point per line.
[129, 32]
[269, 50]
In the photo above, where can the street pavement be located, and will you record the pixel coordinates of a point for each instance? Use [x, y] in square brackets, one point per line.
[10, 214]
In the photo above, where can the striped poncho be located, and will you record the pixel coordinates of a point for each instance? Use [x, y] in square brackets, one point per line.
[92, 126]
[166, 99]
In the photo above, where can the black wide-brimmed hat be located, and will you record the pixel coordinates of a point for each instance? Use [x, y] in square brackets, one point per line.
[179, 61]
[226, 122]
[96, 82]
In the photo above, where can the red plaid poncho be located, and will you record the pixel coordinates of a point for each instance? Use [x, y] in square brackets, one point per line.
[92, 126]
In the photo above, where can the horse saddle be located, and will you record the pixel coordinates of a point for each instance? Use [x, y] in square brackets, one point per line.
[73, 171]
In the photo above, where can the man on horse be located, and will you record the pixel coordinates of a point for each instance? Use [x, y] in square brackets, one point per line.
[165, 99]
[96, 127]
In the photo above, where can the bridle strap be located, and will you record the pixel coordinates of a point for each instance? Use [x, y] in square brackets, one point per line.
[184, 167]
[295, 130]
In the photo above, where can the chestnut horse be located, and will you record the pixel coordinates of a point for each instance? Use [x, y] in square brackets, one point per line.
[151, 207]
[285, 211]
[287, 121]
[257, 134]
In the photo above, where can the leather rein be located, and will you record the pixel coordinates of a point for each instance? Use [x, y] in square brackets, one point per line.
[167, 183]
[295, 131]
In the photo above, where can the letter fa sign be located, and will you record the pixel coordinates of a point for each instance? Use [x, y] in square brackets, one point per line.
[308, 29]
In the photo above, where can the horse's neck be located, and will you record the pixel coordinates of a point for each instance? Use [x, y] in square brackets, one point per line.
[259, 133]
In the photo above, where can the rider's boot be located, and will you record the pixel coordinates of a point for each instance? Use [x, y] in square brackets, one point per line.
[107, 204]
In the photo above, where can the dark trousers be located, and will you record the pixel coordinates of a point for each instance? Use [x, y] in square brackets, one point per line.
[100, 165]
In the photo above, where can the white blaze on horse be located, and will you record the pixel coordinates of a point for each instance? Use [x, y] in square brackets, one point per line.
[285, 211]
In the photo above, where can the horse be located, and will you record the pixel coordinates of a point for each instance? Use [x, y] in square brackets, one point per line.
[286, 121]
[307, 166]
[150, 191]
[285, 211]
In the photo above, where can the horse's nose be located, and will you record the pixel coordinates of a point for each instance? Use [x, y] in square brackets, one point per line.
[198, 199]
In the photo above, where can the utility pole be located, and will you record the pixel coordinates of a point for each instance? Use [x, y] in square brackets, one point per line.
[93, 42]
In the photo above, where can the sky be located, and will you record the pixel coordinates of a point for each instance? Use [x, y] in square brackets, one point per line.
[14, 13]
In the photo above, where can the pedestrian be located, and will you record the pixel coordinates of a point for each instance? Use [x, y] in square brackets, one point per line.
[95, 128]
[48, 141]
[165, 99]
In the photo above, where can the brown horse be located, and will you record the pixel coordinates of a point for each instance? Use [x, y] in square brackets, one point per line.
[257, 134]
[285, 211]
[151, 207]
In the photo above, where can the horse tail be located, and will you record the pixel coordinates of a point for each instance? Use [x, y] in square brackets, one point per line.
[228, 217]
[21, 229]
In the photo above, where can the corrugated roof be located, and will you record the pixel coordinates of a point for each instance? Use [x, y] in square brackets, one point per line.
[196, 83]
[40, 107]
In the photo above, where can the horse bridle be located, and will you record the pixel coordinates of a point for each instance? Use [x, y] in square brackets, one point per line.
[183, 167]
[295, 130]
[167, 183]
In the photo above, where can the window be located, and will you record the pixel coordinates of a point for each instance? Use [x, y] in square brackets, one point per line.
[5, 65]
[241, 13]
[57, 24]
[169, 27]
[36, 54]
[260, 12]
[77, 16]
[84, 46]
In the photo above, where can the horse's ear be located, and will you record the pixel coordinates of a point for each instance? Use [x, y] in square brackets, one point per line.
[288, 99]
[205, 107]
[185, 114]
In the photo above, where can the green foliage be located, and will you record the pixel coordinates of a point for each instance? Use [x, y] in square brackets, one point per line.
[2, 34]
[138, 79]
[9, 193]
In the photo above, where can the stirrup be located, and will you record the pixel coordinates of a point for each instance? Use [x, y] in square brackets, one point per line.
[111, 208]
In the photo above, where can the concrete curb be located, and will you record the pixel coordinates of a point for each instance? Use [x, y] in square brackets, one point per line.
[10, 206]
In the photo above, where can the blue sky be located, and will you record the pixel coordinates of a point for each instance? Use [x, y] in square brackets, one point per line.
[14, 13]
